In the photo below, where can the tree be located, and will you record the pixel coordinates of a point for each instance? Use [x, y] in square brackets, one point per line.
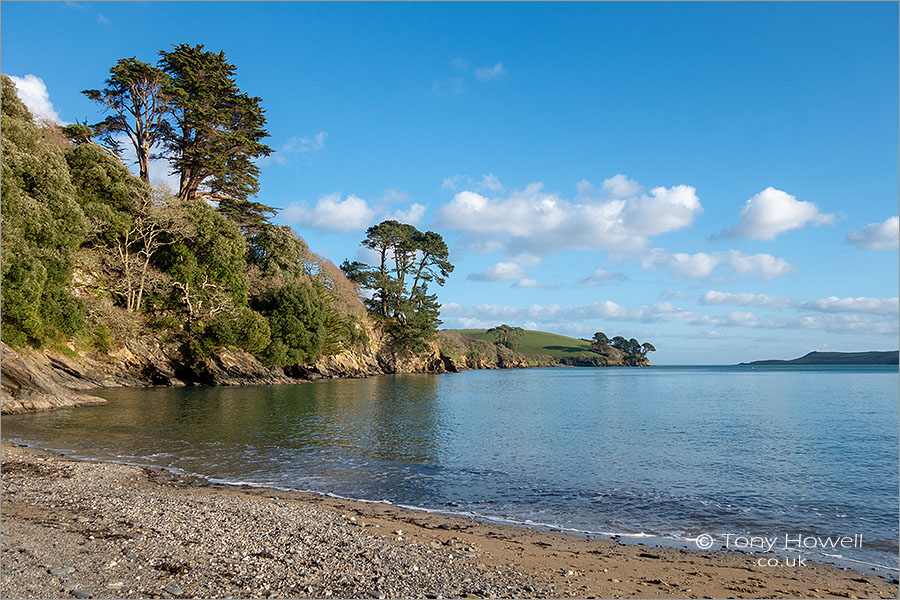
[297, 315]
[207, 266]
[634, 346]
[42, 226]
[599, 341]
[216, 131]
[620, 343]
[433, 260]
[397, 285]
[647, 347]
[506, 335]
[135, 95]
[127, 217]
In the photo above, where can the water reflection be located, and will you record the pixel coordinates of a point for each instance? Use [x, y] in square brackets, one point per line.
[671, 451]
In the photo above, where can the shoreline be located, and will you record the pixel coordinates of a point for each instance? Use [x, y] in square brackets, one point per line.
[197, 538]
[624, 538]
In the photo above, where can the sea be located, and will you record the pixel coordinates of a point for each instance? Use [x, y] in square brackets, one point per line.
[719, 457]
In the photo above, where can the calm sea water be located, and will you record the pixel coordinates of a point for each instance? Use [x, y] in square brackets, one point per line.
[667, 451]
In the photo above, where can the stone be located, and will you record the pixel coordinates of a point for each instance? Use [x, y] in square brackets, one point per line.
[62, 571]
[170, 589]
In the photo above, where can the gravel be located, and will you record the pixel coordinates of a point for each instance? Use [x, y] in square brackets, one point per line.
[130, 536]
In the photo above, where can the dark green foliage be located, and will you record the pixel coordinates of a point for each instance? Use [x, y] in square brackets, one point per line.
[278, 253]
[507, 336]
[42, 226]
[106, 191]
[631, 346]
[297, 317]
[207, 266]
[247, 330]
[138, 105]
[599, 341]
[408, 260]
[217, 130]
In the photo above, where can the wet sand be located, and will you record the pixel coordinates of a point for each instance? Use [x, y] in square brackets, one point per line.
[88, 529]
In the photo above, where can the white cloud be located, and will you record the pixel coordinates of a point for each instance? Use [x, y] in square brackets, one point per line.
[554, 316]
[529, 260]
[601, 276]
[412, 215]
[763, 266]
[488, 182]
[702, 265]
[489, 73]
[714, 298]
[33, 93]
[877, 236]
[772, 212]
[691, 266]
[620, 186]
[502, 271]
[833, 304]
[298, 146]
[539, 222]
[526, 283]
[332, 214]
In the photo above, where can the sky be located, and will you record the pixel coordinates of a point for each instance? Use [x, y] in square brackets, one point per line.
[720, 179]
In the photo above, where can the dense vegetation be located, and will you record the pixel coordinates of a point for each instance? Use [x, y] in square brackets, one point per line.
[93, 255]
[601, 342]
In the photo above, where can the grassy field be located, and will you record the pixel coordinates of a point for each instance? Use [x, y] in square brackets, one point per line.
[537, 342]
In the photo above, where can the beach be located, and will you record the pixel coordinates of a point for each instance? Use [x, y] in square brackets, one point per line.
[90, 529]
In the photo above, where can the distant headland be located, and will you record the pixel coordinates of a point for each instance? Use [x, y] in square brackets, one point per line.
[837, 358]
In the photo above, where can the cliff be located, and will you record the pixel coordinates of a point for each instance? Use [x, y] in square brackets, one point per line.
[35, 380]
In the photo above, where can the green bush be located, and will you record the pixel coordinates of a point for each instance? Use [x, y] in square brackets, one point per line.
[297, 315]
[42, 227]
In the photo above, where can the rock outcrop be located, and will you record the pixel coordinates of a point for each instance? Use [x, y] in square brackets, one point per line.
[34, 380]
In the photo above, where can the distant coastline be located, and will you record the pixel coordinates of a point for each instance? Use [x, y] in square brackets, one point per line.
[891, 357]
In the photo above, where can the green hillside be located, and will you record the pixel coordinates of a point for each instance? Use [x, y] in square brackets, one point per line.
[836, 358]
[537, 342]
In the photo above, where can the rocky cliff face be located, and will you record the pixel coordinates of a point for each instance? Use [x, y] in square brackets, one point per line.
[34, 380]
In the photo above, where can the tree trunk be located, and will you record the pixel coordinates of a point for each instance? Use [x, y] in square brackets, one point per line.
[143, 156]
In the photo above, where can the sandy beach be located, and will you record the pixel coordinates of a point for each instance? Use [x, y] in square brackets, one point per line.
[86, 529]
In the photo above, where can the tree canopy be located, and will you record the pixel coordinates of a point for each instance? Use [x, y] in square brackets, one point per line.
[189, 110]
[136, 98]
[600, 341]
[506, 335]
[216, 130]
[407, 261]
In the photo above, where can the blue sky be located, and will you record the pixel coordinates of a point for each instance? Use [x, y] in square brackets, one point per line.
[719, 179]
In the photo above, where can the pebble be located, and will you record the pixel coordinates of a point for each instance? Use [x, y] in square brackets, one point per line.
[205, 536]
